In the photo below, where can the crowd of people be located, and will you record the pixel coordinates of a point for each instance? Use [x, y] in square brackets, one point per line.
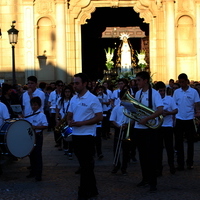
[170, 116]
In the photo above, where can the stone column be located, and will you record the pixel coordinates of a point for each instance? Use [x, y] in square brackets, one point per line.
[170, 39]
[198, 39]
[29, 47]
[61, 41]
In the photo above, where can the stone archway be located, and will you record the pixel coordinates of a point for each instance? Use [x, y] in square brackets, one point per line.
[80, 11]
[160, 14]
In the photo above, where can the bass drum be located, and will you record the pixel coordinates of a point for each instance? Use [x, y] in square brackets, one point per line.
[17, 138]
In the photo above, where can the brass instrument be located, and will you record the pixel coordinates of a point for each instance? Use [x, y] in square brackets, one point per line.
[62, 125]
[118, 147]
[128, 131]
[139, 111]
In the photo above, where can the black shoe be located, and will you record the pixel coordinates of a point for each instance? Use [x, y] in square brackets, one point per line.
[29, 167]
[100, 156]
[1, 171]
[38, 178]
[78, 171]
[115, 170]
[172, 170]
[134, 160]
[124, 172]
[152, 189]
[70, 156]
[159, 173]
[142, 184]
[82, 198]
[31, 175]
[93, 198]
[180, 168]
[190, 167]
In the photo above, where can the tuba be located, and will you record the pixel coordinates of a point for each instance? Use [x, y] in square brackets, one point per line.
[137, 111]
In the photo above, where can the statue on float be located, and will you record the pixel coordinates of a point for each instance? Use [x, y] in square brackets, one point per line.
[125, 54]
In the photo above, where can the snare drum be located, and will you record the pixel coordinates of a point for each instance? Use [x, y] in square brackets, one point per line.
[17, 138]
[67, 133]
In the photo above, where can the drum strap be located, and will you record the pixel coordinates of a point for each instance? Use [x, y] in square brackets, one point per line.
[32, 114]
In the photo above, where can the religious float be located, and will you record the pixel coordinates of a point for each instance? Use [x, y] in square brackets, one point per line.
[127, 63]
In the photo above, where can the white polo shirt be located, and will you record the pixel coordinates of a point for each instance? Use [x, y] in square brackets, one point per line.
[4, 114]
[26, 101]
[118, 116]
[185, 101]
[144, 99]
[37, 120]
[103, 98]
[115, 97]
[84, 108]
[62, 107]
[169, 105]
[109, 94]
[53, 97]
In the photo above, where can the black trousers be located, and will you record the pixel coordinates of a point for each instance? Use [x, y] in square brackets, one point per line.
[165, 137]
[84, 149]
[36, 156]
[98, 142]
[106, 124]
[146, 140]
[184, 128]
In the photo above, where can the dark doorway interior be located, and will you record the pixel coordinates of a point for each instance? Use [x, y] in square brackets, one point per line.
[93, 45]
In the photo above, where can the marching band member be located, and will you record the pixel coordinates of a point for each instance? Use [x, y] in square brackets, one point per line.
[62, 107]
[85, 111]
[30, 93]
[4, 116]
[120, 122]
[115, 100]
[166, 131]
[146, 138]
[188, 102]
[39, 123]
[53, 97]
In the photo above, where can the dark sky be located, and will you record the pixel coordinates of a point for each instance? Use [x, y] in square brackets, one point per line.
[93, 54]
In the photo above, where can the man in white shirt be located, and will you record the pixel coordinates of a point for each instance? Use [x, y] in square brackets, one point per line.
[146, 138]
[29, 94]
[115, 100]
[188, 102]
[53, 97]
[166, 132]
[84, 112]
[120, 122]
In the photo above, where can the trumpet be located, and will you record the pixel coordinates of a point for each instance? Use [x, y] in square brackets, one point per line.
[137, 111]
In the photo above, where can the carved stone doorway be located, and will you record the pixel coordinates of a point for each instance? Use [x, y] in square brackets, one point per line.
[93, 44]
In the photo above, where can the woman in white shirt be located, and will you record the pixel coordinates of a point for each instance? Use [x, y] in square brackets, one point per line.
[62, 106]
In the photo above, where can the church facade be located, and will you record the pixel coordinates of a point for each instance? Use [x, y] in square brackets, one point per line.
[49, 40]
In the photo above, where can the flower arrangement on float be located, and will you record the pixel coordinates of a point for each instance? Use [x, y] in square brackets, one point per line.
[127, 75]
[141, 57]
[109, 57]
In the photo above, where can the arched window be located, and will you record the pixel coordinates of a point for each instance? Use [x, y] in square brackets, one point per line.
[45, 37]
[185, 36]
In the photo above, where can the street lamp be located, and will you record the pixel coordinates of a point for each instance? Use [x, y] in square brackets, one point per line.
[13, 34]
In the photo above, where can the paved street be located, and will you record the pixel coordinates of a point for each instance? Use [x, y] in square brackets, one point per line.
[60, 181]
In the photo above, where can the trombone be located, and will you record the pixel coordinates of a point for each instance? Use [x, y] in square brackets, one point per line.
[119, 142]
